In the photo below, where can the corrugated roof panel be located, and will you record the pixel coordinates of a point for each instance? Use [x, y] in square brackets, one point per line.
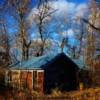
[34, 63]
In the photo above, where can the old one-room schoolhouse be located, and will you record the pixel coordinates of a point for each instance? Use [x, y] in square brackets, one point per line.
[44, 73]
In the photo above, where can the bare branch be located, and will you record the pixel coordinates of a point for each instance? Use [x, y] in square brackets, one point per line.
[86, 21]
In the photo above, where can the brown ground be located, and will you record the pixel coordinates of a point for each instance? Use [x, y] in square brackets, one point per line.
[88, 94]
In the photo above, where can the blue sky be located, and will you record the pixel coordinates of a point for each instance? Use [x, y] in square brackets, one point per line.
[77, 1]
[65, 8]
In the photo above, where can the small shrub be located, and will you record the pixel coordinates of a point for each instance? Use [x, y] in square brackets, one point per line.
[56, 92]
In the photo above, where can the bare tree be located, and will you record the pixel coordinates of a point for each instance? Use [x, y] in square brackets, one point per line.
[41, 18]
[20, 9]
[91, 25]
[5, 58]
[93, 34]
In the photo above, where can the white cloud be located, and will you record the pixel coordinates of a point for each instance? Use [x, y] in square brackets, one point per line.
[63, 6]
[81, 9]
[70, 33]
[64, 9]
[32, 15]
[64, 34]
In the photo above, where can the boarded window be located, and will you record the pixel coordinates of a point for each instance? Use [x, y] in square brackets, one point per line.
[15, 78]
[29, 80]
[40, 81]
[35, 80]
[26, 79]
[9, 76]
[23, 79]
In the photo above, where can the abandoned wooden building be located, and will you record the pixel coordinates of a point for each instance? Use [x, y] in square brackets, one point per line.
[45, 73]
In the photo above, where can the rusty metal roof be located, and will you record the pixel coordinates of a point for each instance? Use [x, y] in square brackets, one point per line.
[34, 62]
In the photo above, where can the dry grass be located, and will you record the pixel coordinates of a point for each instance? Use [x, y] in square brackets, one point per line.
[87, 94]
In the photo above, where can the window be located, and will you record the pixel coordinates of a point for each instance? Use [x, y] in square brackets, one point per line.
[35, 80]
